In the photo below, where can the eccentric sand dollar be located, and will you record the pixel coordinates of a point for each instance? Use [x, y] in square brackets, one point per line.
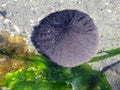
[69, 37]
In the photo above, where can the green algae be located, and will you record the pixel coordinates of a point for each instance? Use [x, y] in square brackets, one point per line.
[43, 74]
[109, 53]
[40, 73]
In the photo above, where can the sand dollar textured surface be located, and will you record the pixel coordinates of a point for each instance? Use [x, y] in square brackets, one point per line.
[69, 37]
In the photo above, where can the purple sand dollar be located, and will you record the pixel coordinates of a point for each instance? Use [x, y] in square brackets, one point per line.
[69, 37]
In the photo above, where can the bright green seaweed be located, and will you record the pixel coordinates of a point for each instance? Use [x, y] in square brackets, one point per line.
[110, 53]
[42, 74]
